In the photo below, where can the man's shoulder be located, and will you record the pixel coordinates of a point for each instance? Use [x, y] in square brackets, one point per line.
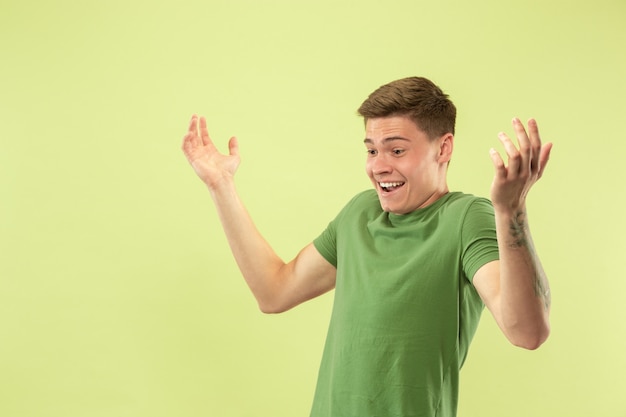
[459, 205]
[364, 199]
[363, 204]
[458, 198]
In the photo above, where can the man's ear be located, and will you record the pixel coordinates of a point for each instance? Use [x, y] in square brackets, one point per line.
[446, 146]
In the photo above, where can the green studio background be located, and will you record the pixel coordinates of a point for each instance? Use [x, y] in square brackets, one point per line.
[118, 293]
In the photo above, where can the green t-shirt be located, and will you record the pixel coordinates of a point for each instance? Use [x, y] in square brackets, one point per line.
[405, 309]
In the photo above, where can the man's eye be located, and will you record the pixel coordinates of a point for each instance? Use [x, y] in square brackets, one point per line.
[371, 152]
[398, 151]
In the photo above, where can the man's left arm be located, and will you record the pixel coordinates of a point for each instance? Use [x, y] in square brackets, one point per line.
[515, 289]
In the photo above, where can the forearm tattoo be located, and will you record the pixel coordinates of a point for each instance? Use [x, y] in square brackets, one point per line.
[519, 238]
[517, 230]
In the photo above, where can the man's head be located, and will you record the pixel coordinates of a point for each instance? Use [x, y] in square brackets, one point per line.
[409, 136]
[417, 98]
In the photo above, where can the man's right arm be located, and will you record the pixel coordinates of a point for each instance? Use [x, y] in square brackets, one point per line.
[277, 286]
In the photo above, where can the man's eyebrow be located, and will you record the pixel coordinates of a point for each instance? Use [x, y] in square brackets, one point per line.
[386, 140]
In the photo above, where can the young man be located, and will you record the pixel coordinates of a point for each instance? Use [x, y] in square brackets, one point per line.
[412, 263]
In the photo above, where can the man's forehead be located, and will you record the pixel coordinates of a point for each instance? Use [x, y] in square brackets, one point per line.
[390, 128]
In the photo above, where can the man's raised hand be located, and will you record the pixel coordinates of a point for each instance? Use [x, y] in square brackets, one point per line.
[513, 181]
[213, 167]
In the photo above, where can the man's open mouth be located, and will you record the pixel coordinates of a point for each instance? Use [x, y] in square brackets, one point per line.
[390, 186]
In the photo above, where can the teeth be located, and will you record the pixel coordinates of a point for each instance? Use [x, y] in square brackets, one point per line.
[390, 184]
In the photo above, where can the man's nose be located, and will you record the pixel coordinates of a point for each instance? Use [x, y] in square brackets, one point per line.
[381, 165]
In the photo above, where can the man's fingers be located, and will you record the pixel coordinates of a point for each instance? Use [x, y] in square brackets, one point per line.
[544, 157]
[193, 124]
[498, 164]
[191, 138]
[204, 133]
[535, 145]
[233, 146]
[525, 147]
[515, 159]
[533, 132]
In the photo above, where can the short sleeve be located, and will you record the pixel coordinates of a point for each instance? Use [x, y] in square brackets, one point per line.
[326, 243]
[478, 236]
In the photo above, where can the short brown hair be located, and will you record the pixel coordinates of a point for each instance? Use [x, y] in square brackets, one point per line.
[416, 97]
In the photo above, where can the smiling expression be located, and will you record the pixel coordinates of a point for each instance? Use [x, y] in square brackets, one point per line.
[406, 167]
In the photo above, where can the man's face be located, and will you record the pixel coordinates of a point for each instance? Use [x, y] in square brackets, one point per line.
[406, 168]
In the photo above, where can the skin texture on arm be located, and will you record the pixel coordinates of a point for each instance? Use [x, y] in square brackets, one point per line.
[515, 289]
[276, 285]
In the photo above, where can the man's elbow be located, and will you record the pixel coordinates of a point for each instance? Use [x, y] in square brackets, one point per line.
[269, 309]
[531, 340]
[272, 307]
